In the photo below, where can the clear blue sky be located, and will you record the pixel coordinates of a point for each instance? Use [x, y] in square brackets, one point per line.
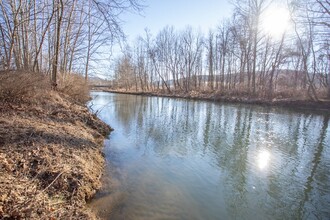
[203, 14]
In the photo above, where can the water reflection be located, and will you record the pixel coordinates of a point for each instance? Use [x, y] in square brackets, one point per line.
[263, 159]
[180, 159]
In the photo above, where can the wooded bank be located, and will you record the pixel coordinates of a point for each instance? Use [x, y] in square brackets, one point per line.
[322, 105]
[237, 57]
[51, 157]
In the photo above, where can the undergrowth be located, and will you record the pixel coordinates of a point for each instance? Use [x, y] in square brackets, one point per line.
[25, 86]
[75, 86]
[50, 148]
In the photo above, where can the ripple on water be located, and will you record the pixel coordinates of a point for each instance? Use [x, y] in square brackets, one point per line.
[179, 159]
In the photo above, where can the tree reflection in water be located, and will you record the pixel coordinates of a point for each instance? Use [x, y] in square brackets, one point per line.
[201, 160]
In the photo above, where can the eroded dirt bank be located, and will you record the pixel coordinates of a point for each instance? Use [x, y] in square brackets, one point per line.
[51, 157]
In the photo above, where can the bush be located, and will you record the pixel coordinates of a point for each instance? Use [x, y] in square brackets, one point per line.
[22, 86]
[75, 86]
[18, 86]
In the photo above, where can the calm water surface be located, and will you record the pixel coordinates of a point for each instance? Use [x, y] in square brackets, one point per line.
[180, 159]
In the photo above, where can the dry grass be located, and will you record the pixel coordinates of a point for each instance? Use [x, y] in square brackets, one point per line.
[75, 86]
[20, 86]
[282, 97]
[50, 152]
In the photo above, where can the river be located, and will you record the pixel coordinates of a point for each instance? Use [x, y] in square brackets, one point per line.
[182, 159]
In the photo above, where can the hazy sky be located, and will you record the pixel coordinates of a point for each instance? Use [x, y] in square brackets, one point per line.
[203, 14]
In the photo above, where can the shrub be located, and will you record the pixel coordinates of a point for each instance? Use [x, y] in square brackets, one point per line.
[18, 86]
[75, 86]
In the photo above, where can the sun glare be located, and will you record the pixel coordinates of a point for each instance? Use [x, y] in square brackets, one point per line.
[263, 159]
[275, 21]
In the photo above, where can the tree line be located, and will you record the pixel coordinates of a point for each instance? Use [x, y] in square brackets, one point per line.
[236, 58]
[52, 36]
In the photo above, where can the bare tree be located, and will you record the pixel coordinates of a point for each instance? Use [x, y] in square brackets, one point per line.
[210, 58]
[58, 35]
[59, 16]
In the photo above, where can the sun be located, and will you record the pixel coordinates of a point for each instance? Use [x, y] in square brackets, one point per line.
[275, 21]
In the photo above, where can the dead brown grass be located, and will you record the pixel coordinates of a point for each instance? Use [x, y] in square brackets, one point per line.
[50, 152]
[75, 87]
[287, 98]
[18, 86]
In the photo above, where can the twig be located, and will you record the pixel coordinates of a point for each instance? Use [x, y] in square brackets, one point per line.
[52, 182]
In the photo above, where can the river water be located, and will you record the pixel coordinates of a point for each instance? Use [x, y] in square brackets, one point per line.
[182, 159]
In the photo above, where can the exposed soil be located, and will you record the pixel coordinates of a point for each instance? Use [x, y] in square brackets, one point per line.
[51, 158]
[218, 97]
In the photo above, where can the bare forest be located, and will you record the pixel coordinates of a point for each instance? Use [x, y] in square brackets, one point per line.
[237, 58]
[59, 36]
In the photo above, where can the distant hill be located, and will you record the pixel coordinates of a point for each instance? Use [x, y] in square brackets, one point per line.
[94, 80]
[284, 77]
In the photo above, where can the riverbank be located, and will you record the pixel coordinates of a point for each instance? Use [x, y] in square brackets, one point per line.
[51, 158]
[323, 105]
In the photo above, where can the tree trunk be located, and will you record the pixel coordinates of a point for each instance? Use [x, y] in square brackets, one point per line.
[254, 62]
[57, 43]
[328, 85]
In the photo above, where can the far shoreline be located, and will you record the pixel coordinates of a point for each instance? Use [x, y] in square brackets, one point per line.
[294, 104]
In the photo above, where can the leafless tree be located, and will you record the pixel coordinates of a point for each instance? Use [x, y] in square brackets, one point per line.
[57, 35]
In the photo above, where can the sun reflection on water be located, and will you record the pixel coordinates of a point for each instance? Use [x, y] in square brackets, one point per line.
[263, 159]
